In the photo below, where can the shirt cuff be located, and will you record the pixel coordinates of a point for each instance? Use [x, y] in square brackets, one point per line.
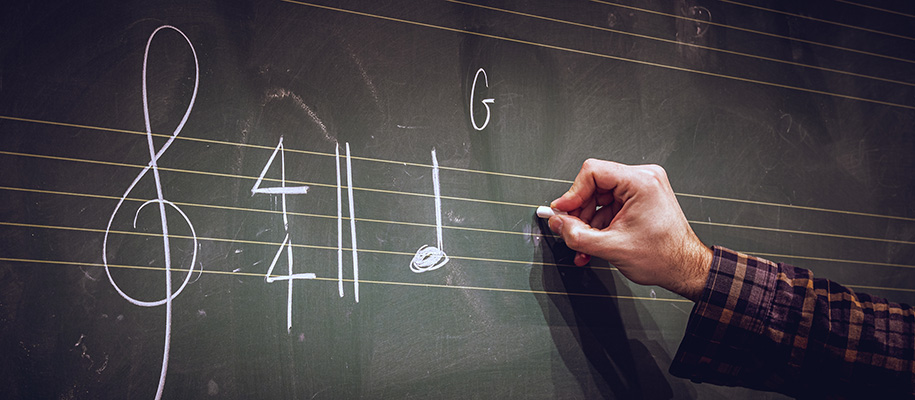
[722, 342]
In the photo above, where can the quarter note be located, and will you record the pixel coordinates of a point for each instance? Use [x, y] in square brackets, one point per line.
[429, 258]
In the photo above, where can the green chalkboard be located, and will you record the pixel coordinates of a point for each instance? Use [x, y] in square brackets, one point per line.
[348, 187]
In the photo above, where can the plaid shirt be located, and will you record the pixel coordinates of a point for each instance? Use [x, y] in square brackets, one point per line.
[774, 327]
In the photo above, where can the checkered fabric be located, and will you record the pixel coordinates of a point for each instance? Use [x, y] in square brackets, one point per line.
[775, 327]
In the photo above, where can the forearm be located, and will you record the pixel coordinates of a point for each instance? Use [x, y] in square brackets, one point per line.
[691, 270]
[774, 327]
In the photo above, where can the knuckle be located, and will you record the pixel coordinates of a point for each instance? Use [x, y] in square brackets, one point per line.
[656, 170]
[572, 238]
[655, 174]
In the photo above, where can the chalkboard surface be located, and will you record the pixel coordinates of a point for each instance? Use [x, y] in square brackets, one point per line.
[334, 199]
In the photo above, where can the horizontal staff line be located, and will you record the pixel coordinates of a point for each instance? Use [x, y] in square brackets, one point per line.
[791, 231]
[235, 176]
[424, 225]
[607, 56]
[400, 253]
[755, 31]
[482, 288]
[772, 10]
[877, 8]
[298, 245]
[546, 292]
[277, 212]
[458, 169]
[483, 201]
[568, 182]
[680, 43]
[93, 230]
[806, 208]
[271, 148]
[393, 283]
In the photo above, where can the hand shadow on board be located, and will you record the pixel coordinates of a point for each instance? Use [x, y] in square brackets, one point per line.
[615, 366]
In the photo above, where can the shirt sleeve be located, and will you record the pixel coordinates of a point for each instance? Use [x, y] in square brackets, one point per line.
[775, 327]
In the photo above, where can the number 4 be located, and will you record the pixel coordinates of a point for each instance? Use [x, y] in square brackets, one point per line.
[282, 190]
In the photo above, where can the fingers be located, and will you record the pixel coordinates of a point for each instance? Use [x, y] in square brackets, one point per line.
[588, 210]
[630, 217]
[557, 223]
[582, 259]
[579, 236]
[603, 217]
[595, 176]
[591, 205]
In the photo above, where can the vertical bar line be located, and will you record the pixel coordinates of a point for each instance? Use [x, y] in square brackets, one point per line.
[339, 222]
[352, 220]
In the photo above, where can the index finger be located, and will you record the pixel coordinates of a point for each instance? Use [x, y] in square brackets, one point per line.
[594, 174]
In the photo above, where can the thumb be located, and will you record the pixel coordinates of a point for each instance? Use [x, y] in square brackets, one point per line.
[578, 235]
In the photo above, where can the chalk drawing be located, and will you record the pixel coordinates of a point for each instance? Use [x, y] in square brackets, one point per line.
[430, 258]
[486, 102]
[160, 200]
[282, 191]
[352, 221]
[270, 278]
[339, 222]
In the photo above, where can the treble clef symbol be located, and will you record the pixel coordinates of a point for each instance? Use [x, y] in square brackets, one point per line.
[160, 200]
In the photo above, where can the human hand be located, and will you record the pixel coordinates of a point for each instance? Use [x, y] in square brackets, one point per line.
[629, 216]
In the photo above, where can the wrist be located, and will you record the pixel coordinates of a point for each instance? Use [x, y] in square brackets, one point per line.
[694, 269]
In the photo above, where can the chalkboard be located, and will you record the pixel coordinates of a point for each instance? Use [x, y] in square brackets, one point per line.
[348, 187]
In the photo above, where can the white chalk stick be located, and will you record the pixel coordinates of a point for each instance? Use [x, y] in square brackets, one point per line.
[546, 212]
